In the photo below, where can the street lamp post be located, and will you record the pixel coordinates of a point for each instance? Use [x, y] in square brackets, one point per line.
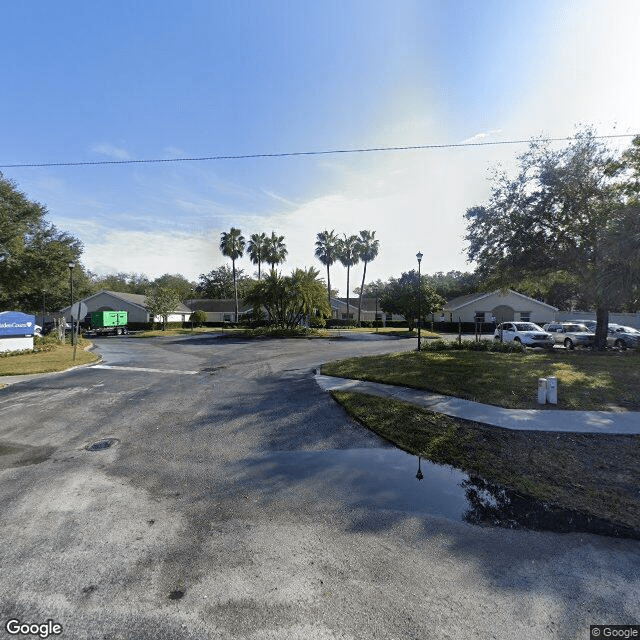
[71, 265]
[419, 256]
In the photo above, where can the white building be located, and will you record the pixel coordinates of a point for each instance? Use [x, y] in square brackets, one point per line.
[501, 306]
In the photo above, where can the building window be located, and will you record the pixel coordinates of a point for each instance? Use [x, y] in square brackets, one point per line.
[389, 317]
[226, 317]
[525, 316]
[344, 316]
[378, 317]
[479, 317]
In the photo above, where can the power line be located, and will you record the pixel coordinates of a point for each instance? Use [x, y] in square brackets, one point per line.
[302, 153]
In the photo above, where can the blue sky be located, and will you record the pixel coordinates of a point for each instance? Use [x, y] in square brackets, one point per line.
[93, 81]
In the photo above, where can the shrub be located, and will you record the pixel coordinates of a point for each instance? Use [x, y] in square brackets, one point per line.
[198, 317]
[469, 345]
[335, 322]
[398, 324]
[317, 322]
[139, 326]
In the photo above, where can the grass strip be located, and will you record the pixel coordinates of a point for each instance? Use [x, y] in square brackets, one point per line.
[590, 473]
[57, 357]
[586, 380]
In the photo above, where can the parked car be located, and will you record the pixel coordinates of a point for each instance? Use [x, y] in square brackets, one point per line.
[527, 333]
[570, 334]
[590, 324]
[622, 337]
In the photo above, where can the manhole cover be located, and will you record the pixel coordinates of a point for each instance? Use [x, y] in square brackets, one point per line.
[102, 444]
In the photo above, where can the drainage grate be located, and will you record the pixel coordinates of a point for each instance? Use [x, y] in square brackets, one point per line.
[102, 444]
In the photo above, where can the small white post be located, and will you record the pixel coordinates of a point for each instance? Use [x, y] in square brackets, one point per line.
[542, 390]
[552, 390]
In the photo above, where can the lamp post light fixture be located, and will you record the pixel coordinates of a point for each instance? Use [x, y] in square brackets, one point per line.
[71, 265]
[419, 256]
[419, 475]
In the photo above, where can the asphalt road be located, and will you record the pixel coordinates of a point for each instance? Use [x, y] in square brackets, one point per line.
[224, 509]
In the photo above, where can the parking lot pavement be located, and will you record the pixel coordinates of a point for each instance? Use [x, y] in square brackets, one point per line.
[148, 503]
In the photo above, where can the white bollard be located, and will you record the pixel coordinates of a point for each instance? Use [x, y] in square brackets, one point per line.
[552, 390]
[542, 390]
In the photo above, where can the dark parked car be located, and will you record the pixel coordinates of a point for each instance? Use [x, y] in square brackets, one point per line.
[570, 334]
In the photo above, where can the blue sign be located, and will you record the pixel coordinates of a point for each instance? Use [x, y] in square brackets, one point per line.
[15, 323]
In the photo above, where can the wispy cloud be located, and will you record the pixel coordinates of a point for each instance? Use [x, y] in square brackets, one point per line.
[481, 136]
[282, 199]
[111, 151]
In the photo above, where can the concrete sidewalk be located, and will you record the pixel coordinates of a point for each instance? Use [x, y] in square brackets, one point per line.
[606, 422]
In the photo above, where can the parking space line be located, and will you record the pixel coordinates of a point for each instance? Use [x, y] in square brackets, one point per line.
[107, 366]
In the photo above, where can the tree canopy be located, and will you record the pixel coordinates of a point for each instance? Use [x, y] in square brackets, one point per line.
[218, 283]
[562, 225]
[400, 295]
[161, 301]
[276, 249]
[34, 256]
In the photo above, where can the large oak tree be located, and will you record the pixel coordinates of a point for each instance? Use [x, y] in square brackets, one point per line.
[560, 220]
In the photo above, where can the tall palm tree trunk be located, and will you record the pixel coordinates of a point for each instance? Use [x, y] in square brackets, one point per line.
[348, 294]
[364, 273]
[235, 287]
[329, 285]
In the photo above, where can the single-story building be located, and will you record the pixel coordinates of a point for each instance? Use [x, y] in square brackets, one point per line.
[369, 311]
[134, 304]
[497, 306]
[219, 310]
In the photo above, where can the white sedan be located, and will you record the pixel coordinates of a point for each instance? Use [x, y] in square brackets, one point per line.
[528, 334]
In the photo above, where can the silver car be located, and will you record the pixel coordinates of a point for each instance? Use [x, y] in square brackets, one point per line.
[622, 337]
[571, 334]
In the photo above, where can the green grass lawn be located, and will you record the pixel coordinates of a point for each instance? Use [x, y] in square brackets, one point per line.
[58, 358]
[586, 380]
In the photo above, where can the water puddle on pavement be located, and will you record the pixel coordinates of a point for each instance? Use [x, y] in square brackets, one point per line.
[389, 478]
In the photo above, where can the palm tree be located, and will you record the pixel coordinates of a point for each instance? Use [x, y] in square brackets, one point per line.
[327, 252]
[232, 246]
[349, 255]
[257, 248]
[368, 249]
[276, 250]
